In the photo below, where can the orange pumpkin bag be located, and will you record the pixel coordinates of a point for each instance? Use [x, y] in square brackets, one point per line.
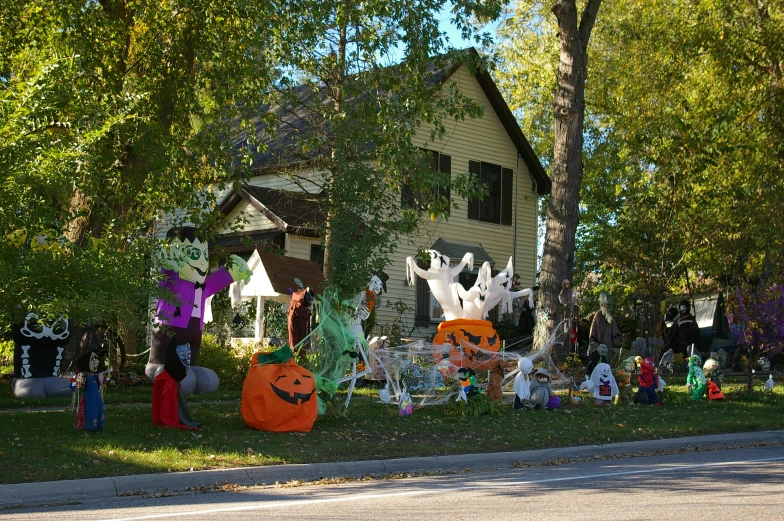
[467, 333]
[278, 395]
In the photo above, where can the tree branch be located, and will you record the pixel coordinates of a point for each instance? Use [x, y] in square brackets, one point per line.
[588, 19]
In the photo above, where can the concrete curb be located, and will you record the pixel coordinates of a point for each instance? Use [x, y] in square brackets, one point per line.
[77, 490]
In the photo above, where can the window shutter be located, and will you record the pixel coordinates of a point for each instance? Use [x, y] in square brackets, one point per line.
[422, 313]
[406, 196]
[445, 166]
[474, 170]
[507, 183]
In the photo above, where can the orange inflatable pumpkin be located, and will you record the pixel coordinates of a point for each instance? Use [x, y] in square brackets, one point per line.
[279, 397]
[466, 335]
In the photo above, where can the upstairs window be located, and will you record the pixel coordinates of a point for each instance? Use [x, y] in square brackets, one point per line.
[496, 206]
[416, 200]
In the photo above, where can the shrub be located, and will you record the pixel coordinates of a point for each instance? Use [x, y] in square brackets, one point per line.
[6, 356]
[230, 363]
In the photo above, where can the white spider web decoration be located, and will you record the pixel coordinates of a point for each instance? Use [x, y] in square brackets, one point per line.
[428, 372]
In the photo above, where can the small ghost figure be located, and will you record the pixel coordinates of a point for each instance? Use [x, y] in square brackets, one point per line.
[696, 384]
[769, 383]
[405, 404]
[522, 384]
[604, 386]
[541, 390]
[92, 372]
[496, 377]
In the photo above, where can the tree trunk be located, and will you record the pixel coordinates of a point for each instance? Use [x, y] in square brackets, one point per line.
[567, 168]
[336, 72]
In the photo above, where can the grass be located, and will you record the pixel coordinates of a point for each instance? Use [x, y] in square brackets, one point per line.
[41, 446]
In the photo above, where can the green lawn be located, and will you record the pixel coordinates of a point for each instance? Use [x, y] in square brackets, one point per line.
[38, 446]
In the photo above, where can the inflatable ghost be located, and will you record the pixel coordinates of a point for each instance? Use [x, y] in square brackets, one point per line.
[604, 386]
[439, 277]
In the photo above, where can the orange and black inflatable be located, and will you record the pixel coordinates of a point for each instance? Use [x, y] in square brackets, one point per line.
[278, 395]
[466, 335]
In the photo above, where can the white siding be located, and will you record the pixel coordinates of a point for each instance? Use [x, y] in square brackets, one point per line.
[253, 219]
[299, 247]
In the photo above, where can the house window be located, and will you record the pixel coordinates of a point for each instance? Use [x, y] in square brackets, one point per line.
[317, 254]
[496, 206]
[436, 313]
[417, 200]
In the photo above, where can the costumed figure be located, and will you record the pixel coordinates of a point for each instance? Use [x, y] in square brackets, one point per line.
[92, 377]
[184, 268]
[466, 378]
[405, 405]
[299, 315]
[684, 335]
[440, 277]
[494, 390]
[527, 320]
[604, 386]
[567, 297]
[522, 383]
[713, 372]
[604, 328]
[38, 357]
[169, 408]
[596, 357]
[623, 377]
[278, 395]
[696, 384]
[649, 383]
[541, 391]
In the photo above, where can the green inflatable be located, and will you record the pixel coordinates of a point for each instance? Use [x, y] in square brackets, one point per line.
[695, 381]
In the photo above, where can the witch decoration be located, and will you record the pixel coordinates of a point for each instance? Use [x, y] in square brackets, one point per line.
[91, 377]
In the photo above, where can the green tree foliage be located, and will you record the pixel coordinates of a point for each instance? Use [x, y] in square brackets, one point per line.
[368, 119]
[113, 113]
[684, 149]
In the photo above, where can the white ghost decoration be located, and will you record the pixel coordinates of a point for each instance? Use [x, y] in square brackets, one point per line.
[604, 386]
[522, 384]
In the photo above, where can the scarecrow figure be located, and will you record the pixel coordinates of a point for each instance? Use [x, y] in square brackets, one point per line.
[541, 390]
[649, 383]
[604, 328]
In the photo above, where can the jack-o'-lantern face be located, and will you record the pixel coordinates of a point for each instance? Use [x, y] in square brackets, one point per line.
[294, 387]
[279, 397]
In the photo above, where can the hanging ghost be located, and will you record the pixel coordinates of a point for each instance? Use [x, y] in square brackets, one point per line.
[184, 268]
[38, 357]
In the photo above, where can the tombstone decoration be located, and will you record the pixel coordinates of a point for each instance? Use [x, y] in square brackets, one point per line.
[184, 266]
[38, 357]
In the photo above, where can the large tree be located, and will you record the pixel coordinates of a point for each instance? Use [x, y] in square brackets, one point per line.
[113, 112]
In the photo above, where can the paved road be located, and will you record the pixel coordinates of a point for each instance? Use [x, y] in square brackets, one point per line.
[718, 485]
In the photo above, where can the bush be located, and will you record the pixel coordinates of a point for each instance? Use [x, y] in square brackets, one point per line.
[6, 356]
[230, 363]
